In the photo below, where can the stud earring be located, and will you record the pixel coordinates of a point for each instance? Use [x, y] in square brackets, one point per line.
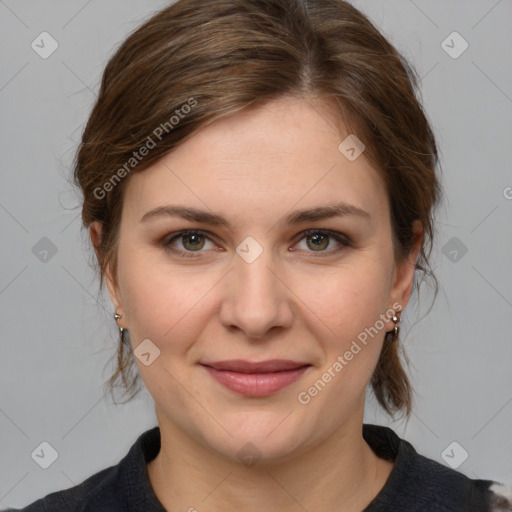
[117, 316]
[396, 320]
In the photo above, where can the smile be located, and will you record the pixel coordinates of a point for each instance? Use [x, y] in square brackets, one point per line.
[256, 379]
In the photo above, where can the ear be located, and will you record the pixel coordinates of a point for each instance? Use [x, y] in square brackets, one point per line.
[95, 232]
[403, 278]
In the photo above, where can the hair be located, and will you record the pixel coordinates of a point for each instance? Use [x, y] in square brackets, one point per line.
[197, 61]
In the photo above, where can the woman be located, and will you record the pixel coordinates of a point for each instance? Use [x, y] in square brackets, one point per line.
[259, 181]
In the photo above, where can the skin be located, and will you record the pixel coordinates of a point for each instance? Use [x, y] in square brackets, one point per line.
[295, 301]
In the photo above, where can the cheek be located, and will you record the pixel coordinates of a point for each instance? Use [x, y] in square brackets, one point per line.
[347, 324]
[350, 350]
[346, 300]
[167, 306]
[160, 301]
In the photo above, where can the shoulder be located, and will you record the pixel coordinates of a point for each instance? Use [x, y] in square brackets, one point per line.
[88, 496]
[77, 498]
[422, 484]
[109, 489]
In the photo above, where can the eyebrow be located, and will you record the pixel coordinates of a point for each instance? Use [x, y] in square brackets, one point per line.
[296, 217]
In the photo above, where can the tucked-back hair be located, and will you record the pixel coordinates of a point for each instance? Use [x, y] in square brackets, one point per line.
[219, 57]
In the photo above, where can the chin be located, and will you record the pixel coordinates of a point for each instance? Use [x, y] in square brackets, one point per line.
[262, 436]
[260, 451]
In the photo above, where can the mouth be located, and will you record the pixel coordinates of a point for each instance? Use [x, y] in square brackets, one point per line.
[256, 379]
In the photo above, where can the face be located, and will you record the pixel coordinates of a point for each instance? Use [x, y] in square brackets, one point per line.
[257, 286]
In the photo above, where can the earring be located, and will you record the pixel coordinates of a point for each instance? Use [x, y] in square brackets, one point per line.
[396, 320]
[117, 316]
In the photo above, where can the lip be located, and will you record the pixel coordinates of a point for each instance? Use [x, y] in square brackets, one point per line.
[256, 379]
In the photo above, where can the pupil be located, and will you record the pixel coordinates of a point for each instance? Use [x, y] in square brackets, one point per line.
[318, 240]
[193, 239]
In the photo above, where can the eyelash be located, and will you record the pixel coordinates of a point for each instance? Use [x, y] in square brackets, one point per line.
[341, 239]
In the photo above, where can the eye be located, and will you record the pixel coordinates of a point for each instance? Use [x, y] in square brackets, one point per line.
[319, 240]
[193, 241]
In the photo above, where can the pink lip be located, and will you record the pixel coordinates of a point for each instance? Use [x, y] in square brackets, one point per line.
[256, 379]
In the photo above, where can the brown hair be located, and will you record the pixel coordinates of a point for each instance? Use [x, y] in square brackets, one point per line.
[224, 56]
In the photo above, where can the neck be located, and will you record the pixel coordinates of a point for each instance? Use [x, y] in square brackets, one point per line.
[341, 474]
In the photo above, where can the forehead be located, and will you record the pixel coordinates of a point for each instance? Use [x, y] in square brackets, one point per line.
[261, 162]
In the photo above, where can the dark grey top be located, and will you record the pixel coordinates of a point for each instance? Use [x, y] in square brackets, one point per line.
[416, 483]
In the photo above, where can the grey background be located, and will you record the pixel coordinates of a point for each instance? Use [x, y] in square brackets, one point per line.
[56, 339]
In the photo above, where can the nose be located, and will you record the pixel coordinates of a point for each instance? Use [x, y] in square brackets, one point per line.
[256, 299]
